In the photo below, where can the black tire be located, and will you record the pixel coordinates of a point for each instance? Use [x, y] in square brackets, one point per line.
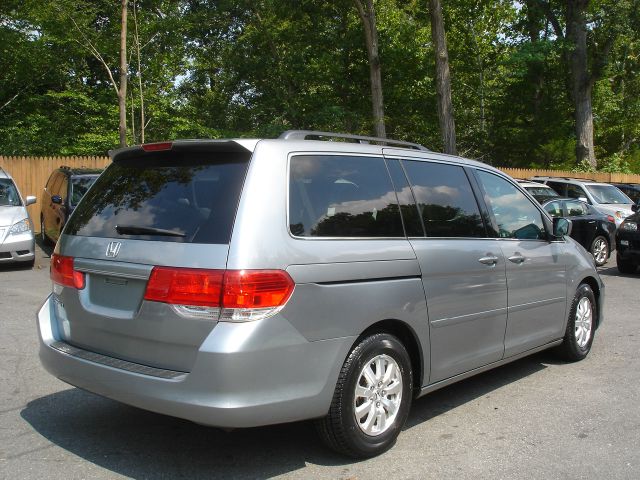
[625, 265]
[600, 242]
[340, 430]
[571, 348]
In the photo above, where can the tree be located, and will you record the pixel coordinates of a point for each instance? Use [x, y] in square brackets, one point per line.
[367, 14]
[443, 79]
[122, 90]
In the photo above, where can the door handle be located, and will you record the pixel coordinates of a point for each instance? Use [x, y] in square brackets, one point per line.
[592, 221]
[490, 260]
[517, 258]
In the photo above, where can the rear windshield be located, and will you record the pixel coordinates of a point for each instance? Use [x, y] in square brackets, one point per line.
[172, 197]
[8, 194]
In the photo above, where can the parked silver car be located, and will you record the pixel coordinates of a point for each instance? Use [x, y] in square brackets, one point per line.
[17, 243]
[605, 198]
[239, 283]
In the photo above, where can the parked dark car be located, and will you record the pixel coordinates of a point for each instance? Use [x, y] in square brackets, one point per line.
[64, 189]
[631, 190]
[628, 244]
[593, 230]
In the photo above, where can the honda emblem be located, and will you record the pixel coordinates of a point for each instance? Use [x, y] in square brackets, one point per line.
[113, 249]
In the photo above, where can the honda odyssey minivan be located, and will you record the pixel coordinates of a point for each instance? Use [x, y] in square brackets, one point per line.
[238, 283]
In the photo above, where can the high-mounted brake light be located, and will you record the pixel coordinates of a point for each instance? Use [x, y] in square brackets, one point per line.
[231, 295]
[63, 273]
[156, 147]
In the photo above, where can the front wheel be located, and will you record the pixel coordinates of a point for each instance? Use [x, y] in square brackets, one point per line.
[600, 250]
[581, 325]
[372, 398]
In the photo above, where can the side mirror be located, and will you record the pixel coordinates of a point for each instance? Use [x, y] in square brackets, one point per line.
[635, 207]
[57, 199]
[30, 200]
[561, 227]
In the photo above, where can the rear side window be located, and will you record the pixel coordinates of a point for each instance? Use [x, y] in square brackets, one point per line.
[172, 197]
[445, 200]
[342, 196]
[575, 209]
[558, 187]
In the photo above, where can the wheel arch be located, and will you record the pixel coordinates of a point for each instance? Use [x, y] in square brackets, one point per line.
[595, 287]
[409, 339]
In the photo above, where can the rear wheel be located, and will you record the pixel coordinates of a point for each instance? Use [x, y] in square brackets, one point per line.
[625, 265]
[581, 325]
[372, 398]
[600, 250]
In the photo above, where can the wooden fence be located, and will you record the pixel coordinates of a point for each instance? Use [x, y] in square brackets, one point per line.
[31, 174]
[599, 176]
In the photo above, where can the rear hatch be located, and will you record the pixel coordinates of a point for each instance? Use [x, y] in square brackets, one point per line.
[169, 205]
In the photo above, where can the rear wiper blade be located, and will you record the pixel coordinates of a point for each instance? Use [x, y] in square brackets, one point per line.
[133, 230]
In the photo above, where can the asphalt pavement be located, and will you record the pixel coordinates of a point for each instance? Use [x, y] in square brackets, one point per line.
[537, 418]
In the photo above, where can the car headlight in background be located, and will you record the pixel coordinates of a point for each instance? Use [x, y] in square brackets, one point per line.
[620, 214]
[629, 226]
[20, 227]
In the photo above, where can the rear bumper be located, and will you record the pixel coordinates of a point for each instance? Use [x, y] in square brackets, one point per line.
[245, 374]
[18, 248]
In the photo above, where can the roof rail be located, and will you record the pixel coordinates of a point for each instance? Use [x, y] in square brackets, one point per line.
[303, 134]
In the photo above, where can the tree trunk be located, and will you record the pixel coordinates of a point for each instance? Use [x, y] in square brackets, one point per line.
[368, 17]
[140, 91]
[581, 80]
[122, 91]
[443, 79]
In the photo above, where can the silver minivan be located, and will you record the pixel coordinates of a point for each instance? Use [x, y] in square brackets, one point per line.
[239, 283]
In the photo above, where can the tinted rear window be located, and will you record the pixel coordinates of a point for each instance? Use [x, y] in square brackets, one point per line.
[342, 196]
[192, 197]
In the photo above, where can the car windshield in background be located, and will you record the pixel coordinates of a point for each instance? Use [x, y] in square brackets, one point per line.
[173, 198]
[79, 186]
[608, 194]
[9, 194]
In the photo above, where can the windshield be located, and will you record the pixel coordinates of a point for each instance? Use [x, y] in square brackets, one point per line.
[542, 191]
[608, 194]
[9, 194]
[79, 186]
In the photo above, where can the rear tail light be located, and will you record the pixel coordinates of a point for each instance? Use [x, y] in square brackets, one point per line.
[63, 273]
[229, 295]
[611, 219]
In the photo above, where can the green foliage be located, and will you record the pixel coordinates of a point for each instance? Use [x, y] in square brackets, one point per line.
[228, 68]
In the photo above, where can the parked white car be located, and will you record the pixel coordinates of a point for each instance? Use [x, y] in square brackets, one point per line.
[17, 242]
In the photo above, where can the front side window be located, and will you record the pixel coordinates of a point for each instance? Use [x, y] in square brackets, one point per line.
[559, 187]
[575, 191]
[9, 194]
[514, 213]
[445, 200]
[342, 196]
[79, 186]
